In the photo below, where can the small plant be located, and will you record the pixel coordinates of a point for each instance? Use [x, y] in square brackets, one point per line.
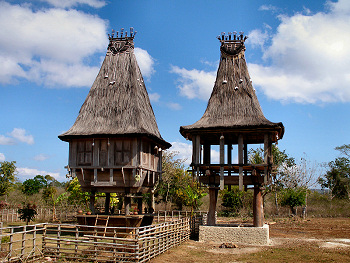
[3, 205]
[28, 212]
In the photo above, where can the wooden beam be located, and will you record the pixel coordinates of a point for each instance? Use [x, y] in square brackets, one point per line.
[267, 154]
[206, 153]
[92, 202]
[231, 180]
[229, 160]
[258, 207]
[222, 161]
[213, 196]
[127, 202]
[240, 161]
[111, 175]
[107, 201]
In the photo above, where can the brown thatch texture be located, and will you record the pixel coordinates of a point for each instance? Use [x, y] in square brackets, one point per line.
[118, 102]
[233, 103]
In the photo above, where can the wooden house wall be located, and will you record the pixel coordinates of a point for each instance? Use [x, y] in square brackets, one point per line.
[101, 163]
[113, 153]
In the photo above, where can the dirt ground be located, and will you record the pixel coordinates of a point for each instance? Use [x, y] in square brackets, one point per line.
[292, 240]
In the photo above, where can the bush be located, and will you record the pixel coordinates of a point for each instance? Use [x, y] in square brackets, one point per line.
[28, 212]
[236, 202]
[293, 197]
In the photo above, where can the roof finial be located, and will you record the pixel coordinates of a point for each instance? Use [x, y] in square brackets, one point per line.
[232, 45]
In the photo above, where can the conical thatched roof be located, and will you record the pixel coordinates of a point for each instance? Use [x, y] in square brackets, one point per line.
[118, 102]
[233, 105]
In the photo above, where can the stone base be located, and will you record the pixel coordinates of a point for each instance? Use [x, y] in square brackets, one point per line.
[230, 234]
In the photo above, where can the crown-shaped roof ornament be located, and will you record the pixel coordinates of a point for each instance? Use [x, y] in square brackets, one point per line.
[232, 43]
[121, 41]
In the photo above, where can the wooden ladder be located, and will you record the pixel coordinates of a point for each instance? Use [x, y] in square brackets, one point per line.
[106, 219]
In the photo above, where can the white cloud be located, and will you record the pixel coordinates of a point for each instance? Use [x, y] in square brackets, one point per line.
[6, 140]
[16, 135]
[2, 157]
[20, 135]
[26, 173]
[71, 3]
[174, 106]
[194, 83]
[310, 58]
[49, 46]
[41, 157]
[154, 97]
[258, 38]
[145, 62]
[184, 151]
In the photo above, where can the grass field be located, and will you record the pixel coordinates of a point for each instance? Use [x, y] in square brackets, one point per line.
[292, 240]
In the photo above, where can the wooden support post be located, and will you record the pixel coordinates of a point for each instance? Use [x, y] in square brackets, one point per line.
[267, 155]
[127, 202]
[258, 207]
[229, 161]
[240, 161]
[222, 161]
[206, 154]
[107, 201]
[92, 202]
[95, 175]
[111, 175]
[213, 196]
[153, 203]
[140, 205]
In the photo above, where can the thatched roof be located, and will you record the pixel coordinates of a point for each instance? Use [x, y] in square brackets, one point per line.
[233, 105]
[118, 102]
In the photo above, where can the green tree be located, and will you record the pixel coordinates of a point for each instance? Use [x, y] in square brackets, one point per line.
[7, 176]
[177, 184]
[31, 186]
[232, 200]
[337, 178]
[76, 195]
[293, 197]
[28, 212]
[283, 163]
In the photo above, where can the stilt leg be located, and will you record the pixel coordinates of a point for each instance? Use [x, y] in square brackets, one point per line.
[213, 196]
[258, 207]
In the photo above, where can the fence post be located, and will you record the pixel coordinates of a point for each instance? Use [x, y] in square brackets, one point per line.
[34, 238]
[43, 244]
[10, 244]
[23, 241]
[76, 241]
[1, 225]
[59, 240]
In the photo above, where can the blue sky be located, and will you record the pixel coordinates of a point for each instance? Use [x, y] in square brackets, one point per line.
[50, 51]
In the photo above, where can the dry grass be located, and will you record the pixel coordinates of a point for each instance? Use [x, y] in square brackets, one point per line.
[312, 240]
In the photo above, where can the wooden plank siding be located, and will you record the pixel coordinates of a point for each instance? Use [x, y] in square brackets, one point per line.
[115, 163]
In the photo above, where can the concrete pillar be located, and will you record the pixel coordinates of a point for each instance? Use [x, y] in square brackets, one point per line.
[213, 197]
[258, 207]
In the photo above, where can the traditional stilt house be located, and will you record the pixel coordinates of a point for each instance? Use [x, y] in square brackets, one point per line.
[233, 117]
[115, 145]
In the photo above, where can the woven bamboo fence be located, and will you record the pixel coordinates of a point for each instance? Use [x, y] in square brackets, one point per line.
[91, 243]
